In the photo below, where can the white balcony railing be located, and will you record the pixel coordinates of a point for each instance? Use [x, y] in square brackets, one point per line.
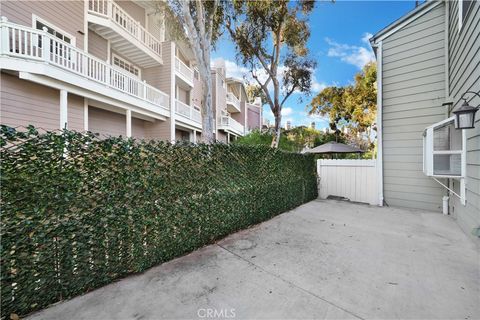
[185, 71]
[38, 45]
[231, 99]
[187, 111]
[112, 11]
[227, 122]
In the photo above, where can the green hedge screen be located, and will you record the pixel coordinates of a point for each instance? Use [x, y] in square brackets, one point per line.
[79, 211]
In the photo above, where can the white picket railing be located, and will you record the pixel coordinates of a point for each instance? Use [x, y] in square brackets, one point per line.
[233, 100]
[184, 70]
[354, 179]
[33, 44]
[187, 111]
[228, 122]
[112, 11]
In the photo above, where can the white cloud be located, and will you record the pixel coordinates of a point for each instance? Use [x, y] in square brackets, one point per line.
[287, 112]
[355, 55]
[317, 86]
[366, 38]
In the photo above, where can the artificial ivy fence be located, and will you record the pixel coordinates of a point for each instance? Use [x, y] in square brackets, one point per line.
[79, 212]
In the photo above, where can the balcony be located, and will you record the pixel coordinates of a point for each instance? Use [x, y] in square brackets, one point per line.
[190, 115]
[184, 73]
[227, 123]
[126, 35]
[35, 51]
[233, 103]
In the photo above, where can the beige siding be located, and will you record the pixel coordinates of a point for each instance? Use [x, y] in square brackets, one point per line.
[464, 75]
[97, 45]
[413, 92]
[66, 15]
[183, 95]
[24, 103]
[75, 112]
[254, 118]
[160, 77]
[158, 130]
[240, 116]
[138, 128]
[106, 123]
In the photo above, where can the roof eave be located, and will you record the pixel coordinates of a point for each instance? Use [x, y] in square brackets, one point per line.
[415, 12]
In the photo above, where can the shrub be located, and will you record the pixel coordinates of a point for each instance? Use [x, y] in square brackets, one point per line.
[79, 212]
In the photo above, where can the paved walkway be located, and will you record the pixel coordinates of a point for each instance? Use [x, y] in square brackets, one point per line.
[323, 260]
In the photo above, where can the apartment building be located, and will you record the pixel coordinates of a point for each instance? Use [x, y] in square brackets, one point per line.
[110, 67]
[235, 115]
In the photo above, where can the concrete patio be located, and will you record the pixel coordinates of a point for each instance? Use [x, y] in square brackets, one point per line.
[323, 260]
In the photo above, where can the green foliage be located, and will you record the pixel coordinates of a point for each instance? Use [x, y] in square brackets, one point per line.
[258, 138]
[354, 106]
[79, 212]
[270, 34]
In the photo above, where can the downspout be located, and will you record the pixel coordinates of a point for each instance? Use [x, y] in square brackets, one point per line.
[379, 124]
[447, 197]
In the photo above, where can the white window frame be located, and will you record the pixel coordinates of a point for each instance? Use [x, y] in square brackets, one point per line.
[36, 18]
[128, 62]
[429, 152]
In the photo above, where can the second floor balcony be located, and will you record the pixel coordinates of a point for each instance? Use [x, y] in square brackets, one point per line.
[36, 52]
[190, 115]
[233, 103]
[227, 123]
[183, 72]
[127, 36]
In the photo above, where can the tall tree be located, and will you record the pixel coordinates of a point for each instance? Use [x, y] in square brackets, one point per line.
[353, 106]
[199, 24]
[271, 37]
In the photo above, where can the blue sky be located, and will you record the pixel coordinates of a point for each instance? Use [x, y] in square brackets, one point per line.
[338, 42]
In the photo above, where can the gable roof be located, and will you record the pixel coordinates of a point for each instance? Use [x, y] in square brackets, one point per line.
[404, 20]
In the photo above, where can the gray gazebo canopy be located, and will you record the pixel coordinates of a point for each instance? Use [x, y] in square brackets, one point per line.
[334, 147]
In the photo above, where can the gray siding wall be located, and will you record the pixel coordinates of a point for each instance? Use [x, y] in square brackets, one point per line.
[413, 91]
[464, 75]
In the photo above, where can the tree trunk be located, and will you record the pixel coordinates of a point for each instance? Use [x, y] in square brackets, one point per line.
[278, 128]
[208, 116]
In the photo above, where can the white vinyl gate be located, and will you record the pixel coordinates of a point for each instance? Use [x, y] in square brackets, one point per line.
[352, 179]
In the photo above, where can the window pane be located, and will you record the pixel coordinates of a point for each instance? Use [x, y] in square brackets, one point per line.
[447, 164]
[447, 138]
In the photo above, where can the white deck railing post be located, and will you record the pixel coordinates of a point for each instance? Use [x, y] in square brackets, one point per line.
[109, 8]
[4, 45]
[45, 44]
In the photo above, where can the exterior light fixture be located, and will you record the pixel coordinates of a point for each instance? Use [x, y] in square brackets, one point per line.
[465, 115]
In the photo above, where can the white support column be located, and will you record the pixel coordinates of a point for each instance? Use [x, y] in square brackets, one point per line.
[172, 92]
[129, 122]
[380, 123]
[194, 140]
[63, 109]
[85, 114]
[228, 137]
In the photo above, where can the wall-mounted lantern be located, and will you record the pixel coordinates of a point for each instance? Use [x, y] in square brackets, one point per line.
[465, 115]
